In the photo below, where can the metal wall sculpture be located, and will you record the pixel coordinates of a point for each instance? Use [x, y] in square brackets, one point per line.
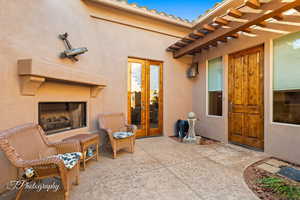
[71, 52]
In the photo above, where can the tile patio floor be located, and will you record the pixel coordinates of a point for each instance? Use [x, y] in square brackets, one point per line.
[162, 168]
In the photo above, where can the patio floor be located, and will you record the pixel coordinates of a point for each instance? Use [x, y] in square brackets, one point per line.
[162, 168]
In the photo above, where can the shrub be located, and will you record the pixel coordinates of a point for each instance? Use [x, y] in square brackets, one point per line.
[279, 186]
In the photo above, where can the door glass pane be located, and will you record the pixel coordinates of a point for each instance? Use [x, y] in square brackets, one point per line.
[215, 86]
[136, 94]
[154, 96]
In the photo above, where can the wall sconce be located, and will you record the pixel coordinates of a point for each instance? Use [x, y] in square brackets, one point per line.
[71, 52]
[193, 71]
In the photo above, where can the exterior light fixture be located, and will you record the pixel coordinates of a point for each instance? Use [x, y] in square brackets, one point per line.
[71, 52]
[193, 71]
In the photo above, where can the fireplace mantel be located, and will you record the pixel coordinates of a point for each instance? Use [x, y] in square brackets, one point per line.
[34, 73]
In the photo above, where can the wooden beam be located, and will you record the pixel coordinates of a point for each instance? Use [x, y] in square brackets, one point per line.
[276, 7]
[220, 12]
[221, 21]
[196, 51]
[189, 38]
[224, 40]
[232, 12]
[276, 27]
[180, 44]
[278, 17]
[206, 48]
[255, 4]
[247, 30]
[262, 24]
[174, 47]
[208, 27]
[235, 36]
[196, 37]
[186, 41]
[170, 49]
[214, 44]
[197, 33]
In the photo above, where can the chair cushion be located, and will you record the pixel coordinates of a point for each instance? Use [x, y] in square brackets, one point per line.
[122, 135]
[69, 159]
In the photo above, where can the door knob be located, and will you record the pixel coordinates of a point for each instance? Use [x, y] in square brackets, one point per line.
[230, 106]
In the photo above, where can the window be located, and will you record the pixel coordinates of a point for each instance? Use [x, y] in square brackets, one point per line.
[286, 79]
[215, 86]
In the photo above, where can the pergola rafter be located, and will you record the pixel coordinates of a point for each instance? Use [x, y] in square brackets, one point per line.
[197, 33]
[255, 4]
[214, 32]
[234, 13]
[221, 21]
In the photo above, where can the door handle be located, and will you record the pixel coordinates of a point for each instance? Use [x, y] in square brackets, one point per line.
[230, 107]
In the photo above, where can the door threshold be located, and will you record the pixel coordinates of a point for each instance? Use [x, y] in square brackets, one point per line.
[151, 136]
[247, 147]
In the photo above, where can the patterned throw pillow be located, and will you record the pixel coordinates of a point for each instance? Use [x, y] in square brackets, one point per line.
[69, 159]
[122, 135]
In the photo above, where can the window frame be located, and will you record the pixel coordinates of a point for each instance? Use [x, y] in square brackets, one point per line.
[207, 91]
[271, 93]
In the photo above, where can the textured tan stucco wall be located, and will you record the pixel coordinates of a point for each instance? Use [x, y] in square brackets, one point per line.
[125, 17]
[29, 29]
[282, 141]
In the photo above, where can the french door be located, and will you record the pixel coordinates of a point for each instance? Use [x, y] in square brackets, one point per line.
[145, 96]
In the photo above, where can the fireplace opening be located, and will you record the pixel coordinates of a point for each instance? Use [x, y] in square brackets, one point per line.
[55, 117]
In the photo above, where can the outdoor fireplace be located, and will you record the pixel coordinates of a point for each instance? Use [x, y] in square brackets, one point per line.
[57, 117]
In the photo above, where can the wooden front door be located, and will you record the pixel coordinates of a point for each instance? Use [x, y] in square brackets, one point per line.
[145, 96]
[246, 97]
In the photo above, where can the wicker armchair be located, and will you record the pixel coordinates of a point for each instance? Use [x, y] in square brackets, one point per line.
[26, 147]
[115, 122]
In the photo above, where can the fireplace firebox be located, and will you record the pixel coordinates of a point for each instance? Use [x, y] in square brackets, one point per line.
[55, 117]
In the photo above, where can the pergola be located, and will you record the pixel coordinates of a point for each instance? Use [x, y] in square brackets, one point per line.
[245, 17]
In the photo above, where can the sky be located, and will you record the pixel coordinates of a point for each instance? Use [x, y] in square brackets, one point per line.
[187, 9]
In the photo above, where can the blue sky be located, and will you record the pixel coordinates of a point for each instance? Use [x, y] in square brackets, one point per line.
[188, 9]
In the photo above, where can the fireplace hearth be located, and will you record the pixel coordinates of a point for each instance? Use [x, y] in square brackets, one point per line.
[55, 117]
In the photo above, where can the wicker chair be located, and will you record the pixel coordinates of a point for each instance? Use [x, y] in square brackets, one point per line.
[26, 147]
[115, 122]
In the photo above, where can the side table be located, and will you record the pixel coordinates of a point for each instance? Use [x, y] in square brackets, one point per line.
[87, 141]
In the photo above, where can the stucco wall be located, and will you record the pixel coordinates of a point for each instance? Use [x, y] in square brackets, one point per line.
[280, 140]
[125, 17]
[30, 29]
